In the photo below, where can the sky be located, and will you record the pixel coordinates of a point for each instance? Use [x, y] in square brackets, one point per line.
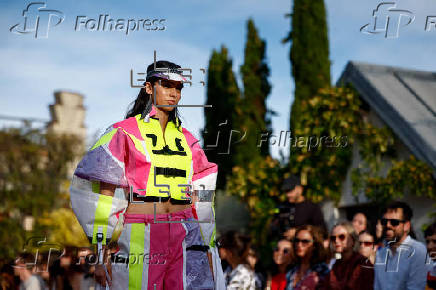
[97, 63]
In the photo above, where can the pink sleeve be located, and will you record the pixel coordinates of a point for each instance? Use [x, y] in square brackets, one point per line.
[205, 172]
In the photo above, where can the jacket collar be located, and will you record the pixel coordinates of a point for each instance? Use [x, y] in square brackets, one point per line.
[153, 113]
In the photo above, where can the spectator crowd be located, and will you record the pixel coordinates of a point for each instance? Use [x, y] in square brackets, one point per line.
[351, 255]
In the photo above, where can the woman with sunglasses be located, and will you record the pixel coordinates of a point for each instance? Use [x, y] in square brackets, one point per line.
[310, 256]
[351, 270]
[169, 185]
[367, 245]
[283, 259]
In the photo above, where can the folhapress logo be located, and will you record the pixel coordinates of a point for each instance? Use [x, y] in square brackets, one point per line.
[388, 20]
[38, 20]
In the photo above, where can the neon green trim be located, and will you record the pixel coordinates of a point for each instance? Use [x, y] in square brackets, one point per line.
[212, 238]
[95, 186]
[137, 240]
[101, 218]
[104, 139]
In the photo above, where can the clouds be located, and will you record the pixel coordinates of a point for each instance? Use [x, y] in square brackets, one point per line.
[97, 64]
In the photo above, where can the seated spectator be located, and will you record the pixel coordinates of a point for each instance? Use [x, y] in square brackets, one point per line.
[283, 258]
[400, 263]
[379, 233]
[430, 238]
[351, 270]
[234, 249]
[252, 261]
[330, 259]
[7, 278]
[360, 222]
[310, 256]
[24, 268]
[367, 246]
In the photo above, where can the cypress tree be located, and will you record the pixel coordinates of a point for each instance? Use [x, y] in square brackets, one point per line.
[309, 55]
[254, 118]
[222, 94]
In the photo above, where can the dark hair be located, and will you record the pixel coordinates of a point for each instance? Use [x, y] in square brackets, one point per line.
[319, 254]
[290, 183]
[407, 211]
[143, 102]
[368, 232]
[237, 243]
[430, 230]
[26, 258]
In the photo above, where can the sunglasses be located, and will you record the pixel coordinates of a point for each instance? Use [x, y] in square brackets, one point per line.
[303, 241]
[394, 222]
[284, 251]
[341, 237]
[430, 240]
[366, 243]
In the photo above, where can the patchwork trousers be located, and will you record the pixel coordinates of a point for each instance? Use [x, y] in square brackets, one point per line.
[153, 253]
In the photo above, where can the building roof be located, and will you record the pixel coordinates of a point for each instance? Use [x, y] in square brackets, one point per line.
[404, 99]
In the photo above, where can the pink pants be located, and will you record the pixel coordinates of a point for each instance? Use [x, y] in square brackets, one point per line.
[152, 253]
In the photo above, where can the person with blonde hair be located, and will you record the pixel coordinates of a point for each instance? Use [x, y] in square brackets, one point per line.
[351, 270]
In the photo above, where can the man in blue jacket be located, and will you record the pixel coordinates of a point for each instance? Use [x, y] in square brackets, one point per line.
[401, 262]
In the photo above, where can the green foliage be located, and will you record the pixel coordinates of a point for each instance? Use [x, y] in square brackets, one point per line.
[337, 112]
[309, 53]
[33, 168]
[223, 94]
[258, 186]
[253, 117]
[64, 228]
[331, 118]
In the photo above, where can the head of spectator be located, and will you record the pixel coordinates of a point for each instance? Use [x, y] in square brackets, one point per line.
[367, 245]
[430, 239]
[293, 189]
[360, 222]
[252, 257]
[7, 277]
[283, 255]
[308, 246]
[396, 222]
[378, 230]
[344, 240]
[234, 248]
[24, 264]
[289, 234]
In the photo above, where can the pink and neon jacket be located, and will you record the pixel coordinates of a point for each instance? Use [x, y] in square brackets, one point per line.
[135, 153]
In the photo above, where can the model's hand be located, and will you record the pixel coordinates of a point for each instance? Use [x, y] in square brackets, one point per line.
[101, 276]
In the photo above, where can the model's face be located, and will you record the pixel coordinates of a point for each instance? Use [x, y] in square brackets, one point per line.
[359, 222]
[168, 92]
[282, 253]
[303, 244]
[366, 245]
[394, 227]
[340, 239]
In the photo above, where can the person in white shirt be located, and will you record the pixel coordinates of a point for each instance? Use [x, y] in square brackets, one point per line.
[23, 267]
[234, 249]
